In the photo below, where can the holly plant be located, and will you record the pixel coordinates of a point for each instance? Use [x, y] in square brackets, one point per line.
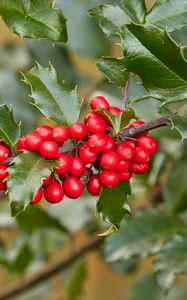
[108, 150]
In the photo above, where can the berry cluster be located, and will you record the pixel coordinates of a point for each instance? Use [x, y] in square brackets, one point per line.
[96, 158]
[4, 154]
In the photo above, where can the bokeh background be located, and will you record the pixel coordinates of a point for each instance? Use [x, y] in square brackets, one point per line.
[26, 246]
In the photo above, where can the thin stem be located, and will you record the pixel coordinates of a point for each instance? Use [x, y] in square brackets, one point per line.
[125, 93]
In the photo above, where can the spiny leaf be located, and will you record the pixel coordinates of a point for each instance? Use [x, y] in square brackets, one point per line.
[42, 220]
[113, 204]
[171, 260]
[9, 129]
[110, 17]
[146, 51]
[34, 19]
[25, 179]
[114, 69]
[51, 96]
[142, 235]
[135, 9]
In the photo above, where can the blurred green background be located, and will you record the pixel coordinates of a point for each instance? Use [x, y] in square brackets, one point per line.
[26, 245]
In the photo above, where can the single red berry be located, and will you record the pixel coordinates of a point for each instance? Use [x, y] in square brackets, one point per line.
[149, 143]
[63, 164]
[60, 134]
[3, 186]
[109, 160]
[139, 168]
[21, 143]
[87, 154]
[125, 151]
[114, 110]
[77, 130]
[109, 178]
[3, 172]
[37, 197]
[45, 132]
[110, 144]
[33, 142]
[4, 152]
[73, 187]
[125, 175]
[96, 125]
[49, 150]
[54, 192]
[99, 102]
[138, 123]
[141, 155]
[98, 142]
[90, 115]
[46, 181]
[77, 166]
[133, 143]
[124, 165]
[94, 185]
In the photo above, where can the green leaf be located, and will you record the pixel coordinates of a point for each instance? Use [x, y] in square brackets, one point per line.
[135, 9]
[146, 51]
[142, 235]
[42, 220]
[76, 284]
[110, 18]
[114, 69]
[51, 96]
[20, 262]
[113, 204]
[175, 190]
[170, 13]
[179, 119]
[25, 179]
[9, 129]
[34, 19]
[171, 260]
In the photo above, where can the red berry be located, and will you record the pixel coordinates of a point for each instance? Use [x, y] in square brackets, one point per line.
[73, 187]
[133, 143]
[139, 168]
[142, 155]
[63, 164]
[125, 151]
[46, 181]
[109, 178]
[37, 197]
[87, 154]
[90, 116]
[124, 165]
[4, 152]
[77, 166]
[114, 110]
[53, 192]
[109, 160]
[96, 125]
[110, 144]
[3, 172]
[21, 143]
[99, 102]
[45, 132]
[98, 142]
[77, 130]
[125, 175]
[60, 134]
[49, 150]
[33, 142]
[3, 186]
[94, 185]
[149, 143]
[138, 123]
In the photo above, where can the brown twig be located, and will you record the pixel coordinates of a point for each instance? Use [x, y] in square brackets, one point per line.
[52, 268]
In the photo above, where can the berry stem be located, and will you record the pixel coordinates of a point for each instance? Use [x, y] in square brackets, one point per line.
[125, 91]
